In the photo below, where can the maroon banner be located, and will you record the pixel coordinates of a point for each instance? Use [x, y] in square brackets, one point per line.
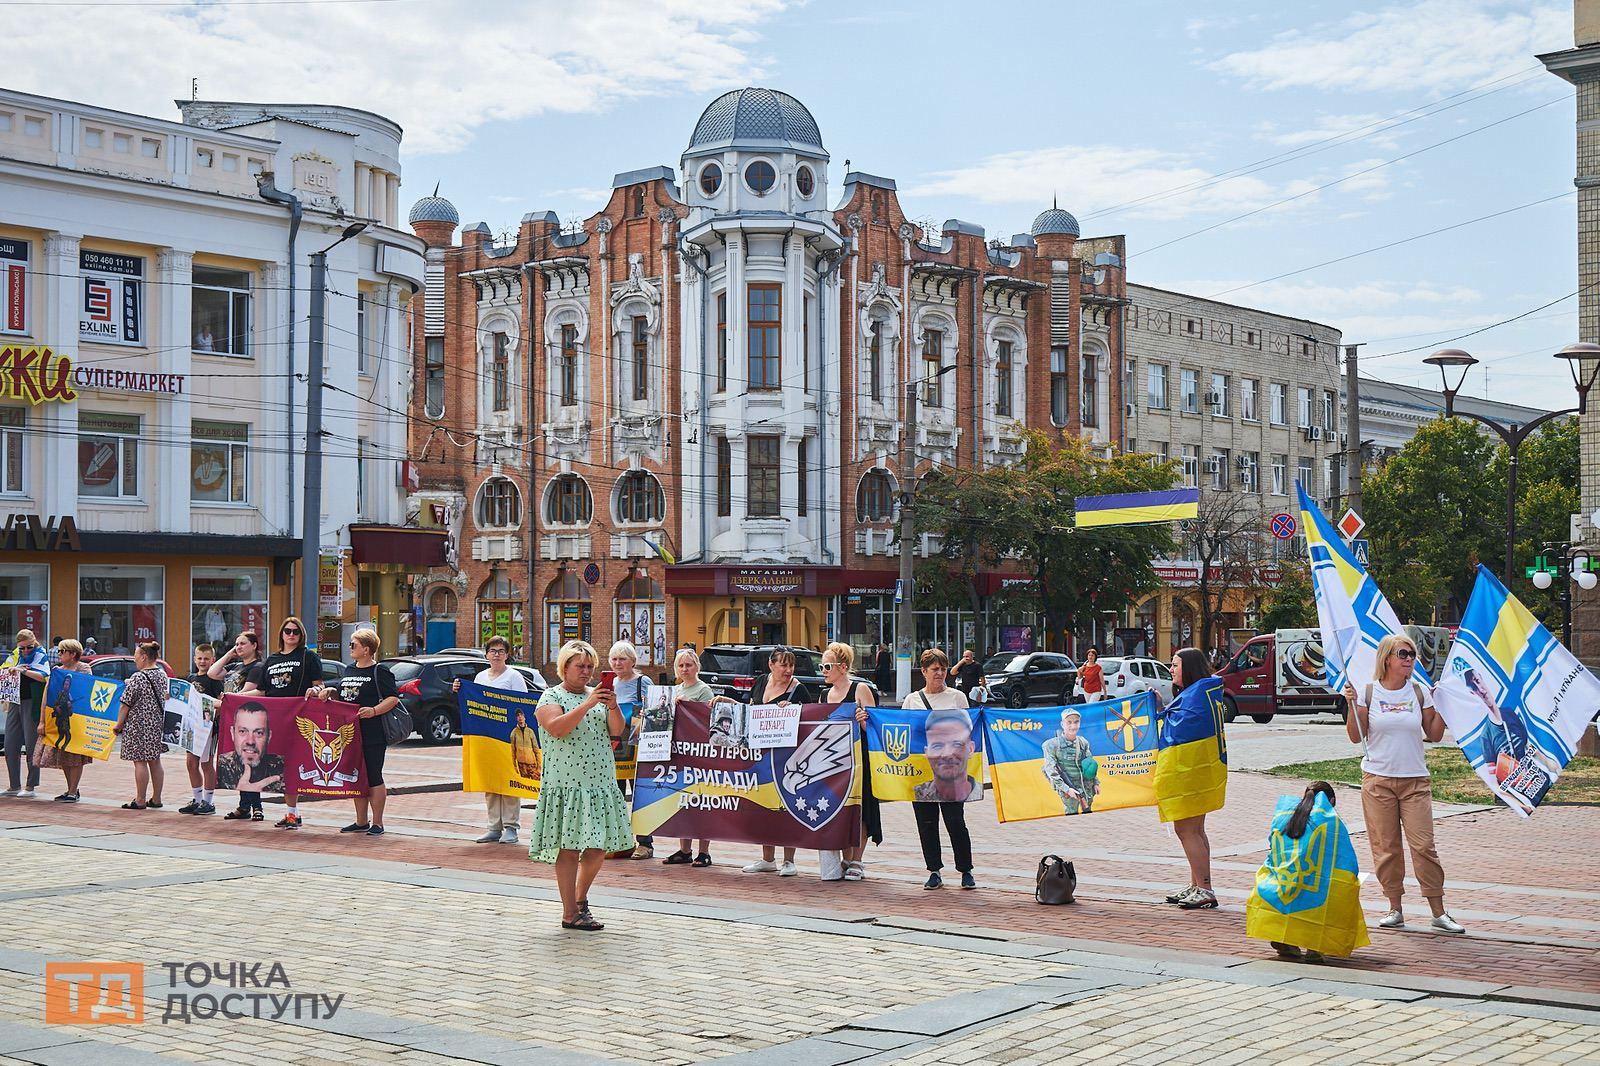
[313, 745]
[717, 788]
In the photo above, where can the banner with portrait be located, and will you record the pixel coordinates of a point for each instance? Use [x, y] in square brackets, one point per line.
[715, 786]
[80, 713]
[925, 755]
[189, 719]
[268, 741]
[1072, 760]
[499, 741]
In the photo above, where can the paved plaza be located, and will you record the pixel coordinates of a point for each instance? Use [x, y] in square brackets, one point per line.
[445, 950]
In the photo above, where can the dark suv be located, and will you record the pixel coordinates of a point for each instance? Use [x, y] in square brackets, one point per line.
[1016, 679]
[426, 689]
[735, 670]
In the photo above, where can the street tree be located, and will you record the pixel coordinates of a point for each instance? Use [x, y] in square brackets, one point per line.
[1227, 540]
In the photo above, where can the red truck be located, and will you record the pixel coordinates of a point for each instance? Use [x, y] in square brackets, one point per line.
[1284, 672]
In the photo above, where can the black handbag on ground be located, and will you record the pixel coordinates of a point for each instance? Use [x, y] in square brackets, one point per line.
[1056, 881]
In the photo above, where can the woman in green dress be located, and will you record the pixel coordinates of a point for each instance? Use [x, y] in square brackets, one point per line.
[580, 816]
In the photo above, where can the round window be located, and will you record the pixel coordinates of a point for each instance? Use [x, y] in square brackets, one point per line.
[760, 177]
[710, 179]
[805, 181]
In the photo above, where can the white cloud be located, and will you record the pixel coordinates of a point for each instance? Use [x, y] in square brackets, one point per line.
[1433, 45]
[1368, 129]
[441, 70]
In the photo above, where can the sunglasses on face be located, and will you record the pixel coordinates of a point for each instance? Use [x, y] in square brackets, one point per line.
[829, 666]
[1406, 653]
[291, 632]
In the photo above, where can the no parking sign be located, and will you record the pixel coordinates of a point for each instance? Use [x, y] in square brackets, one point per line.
[1284, 526]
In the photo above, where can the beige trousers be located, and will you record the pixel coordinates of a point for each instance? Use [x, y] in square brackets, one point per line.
[505, 812]
[1396, 806]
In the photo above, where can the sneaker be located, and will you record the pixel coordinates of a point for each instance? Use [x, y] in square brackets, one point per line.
[1446, 924]
[1393, 920]
[934, 881]
[204, 808]
[508, 836]
[10, 793]
[65, 797]
[190, 807]
[353, 827]
[73, 797]
[762, 866]
[491, 837]
[1200, 899]
[788, 869]
[375, 831]
[1288, 951]
[683, 858]
[288, 821]
[643, 851]
[967, 880]
[1180, 895]
[27, 794]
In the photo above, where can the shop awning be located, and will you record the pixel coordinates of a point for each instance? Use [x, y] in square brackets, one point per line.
[414, 549]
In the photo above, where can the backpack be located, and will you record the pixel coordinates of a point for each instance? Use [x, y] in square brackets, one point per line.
[1056, 881]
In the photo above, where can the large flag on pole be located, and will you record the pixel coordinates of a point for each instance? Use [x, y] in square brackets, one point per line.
[1137, 508]
[1351, 609]
[1515, 700]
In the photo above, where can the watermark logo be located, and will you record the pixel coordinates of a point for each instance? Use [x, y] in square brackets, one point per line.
[93, 993]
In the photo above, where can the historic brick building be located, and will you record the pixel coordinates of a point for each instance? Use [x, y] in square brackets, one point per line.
[680, 421]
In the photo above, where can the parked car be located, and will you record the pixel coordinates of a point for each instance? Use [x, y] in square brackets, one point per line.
[1016, 679]
[120, 667]
[426, 683]
[1126, 675]
[734, 670]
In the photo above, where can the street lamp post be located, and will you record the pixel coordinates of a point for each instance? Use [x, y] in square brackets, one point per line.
[311, 519]
[1578, 566]
[1454, 359]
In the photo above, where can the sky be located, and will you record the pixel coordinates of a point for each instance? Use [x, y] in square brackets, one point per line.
[1257, 152]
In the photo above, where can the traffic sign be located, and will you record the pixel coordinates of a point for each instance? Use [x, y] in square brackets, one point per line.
[899, 590]
[1284, 526]
[1359, 548]
[1351, 525]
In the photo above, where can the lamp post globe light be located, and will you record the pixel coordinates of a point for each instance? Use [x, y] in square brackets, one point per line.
[1583, 364]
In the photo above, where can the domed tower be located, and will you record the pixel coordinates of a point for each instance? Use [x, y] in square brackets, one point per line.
[761, 343]
[1055, 232]
[434, 219]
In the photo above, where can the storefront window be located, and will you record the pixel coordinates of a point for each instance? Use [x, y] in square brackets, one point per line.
[224, 602]
[642, 618]
[108, 455]
[567, 614]
[24, 601]
[119, 606]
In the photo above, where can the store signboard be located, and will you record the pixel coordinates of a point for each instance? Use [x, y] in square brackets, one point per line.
[766, 581]
[35, 373]
[111, 310]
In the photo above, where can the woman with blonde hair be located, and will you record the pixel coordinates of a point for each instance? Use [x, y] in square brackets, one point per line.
[70, 763]
[371, 687]
[1390, 718]
[686, 665]
[580, 816]
[837, 660]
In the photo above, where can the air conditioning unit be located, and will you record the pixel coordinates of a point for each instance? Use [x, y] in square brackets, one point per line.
[1313, 433]
[1213, 398]
[1344, 440]
[1213, 465]
[1243, 462]
[1244, 479]
[1128, 409]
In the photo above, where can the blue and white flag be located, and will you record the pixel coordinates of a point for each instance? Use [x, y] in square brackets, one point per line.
[1515, 700]
[1351, 609]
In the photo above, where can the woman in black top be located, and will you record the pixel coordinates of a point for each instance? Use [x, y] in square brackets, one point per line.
[781, 687]
[292, 670]
[370, 687]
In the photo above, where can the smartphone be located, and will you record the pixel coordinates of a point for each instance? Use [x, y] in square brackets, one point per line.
[608, 680]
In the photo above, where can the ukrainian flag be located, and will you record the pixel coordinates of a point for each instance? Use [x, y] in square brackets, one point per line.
[1308, 892]
[1352, 612]
[1135, 508]
[1192, 760]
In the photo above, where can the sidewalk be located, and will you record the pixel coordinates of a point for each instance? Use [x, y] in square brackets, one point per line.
[1509, 880]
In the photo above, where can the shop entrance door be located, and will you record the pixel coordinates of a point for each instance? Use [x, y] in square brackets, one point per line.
[766, 624]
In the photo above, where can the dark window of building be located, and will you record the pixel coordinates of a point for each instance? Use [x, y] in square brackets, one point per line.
[875, 362]
[722, 342]
[724, 477]
[1002, 379]
[762, 477]
[433, 367]
[569, 366]
[570, 502]
[932, 364]
[710, 179]
[1060, 384]
[641, 357]
[500, 374]
[805, 182]
[499, 504]
[760, 177]
[636, 202]
[639, 497]
[804, 457]
[875, 497]
[766, 326]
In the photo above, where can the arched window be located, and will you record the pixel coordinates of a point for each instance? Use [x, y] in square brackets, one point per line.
[875, 497]
[500, 610]
[442, 602]
[639, 498]
[497, 586]
[569, 502]
[499, 504]
[567, 613]
[642, 617]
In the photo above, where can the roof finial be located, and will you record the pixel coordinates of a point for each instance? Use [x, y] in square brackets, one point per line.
[1054, 206]
[436, 188]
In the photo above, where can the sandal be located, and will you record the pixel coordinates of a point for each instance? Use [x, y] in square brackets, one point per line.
[703, 859]
[678, 858]
[154, 805]
[133, 806]
[240, 815]
[256, 815]
[585, 922]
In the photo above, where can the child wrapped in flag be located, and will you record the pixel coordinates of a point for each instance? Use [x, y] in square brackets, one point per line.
[1191, 777]
[1306, 901]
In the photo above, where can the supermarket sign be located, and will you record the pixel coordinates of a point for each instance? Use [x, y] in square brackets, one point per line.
[38, 375]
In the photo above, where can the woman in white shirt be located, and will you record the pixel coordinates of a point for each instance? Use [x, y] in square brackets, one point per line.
[505, 812]
[630, 686]
[1390, 718]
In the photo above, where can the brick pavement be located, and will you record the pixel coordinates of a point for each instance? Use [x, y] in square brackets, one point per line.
[1507, 877]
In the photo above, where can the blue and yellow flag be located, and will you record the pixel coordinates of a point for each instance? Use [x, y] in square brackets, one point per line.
[1515, 700]
[79, 713]
[906, 765]
[500, 750]
[1192, 760]
[1137, 508]
[1308, 893]
[1072, 760]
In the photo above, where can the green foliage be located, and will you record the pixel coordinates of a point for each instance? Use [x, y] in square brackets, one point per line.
[1292, 604]
[1003, 517]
